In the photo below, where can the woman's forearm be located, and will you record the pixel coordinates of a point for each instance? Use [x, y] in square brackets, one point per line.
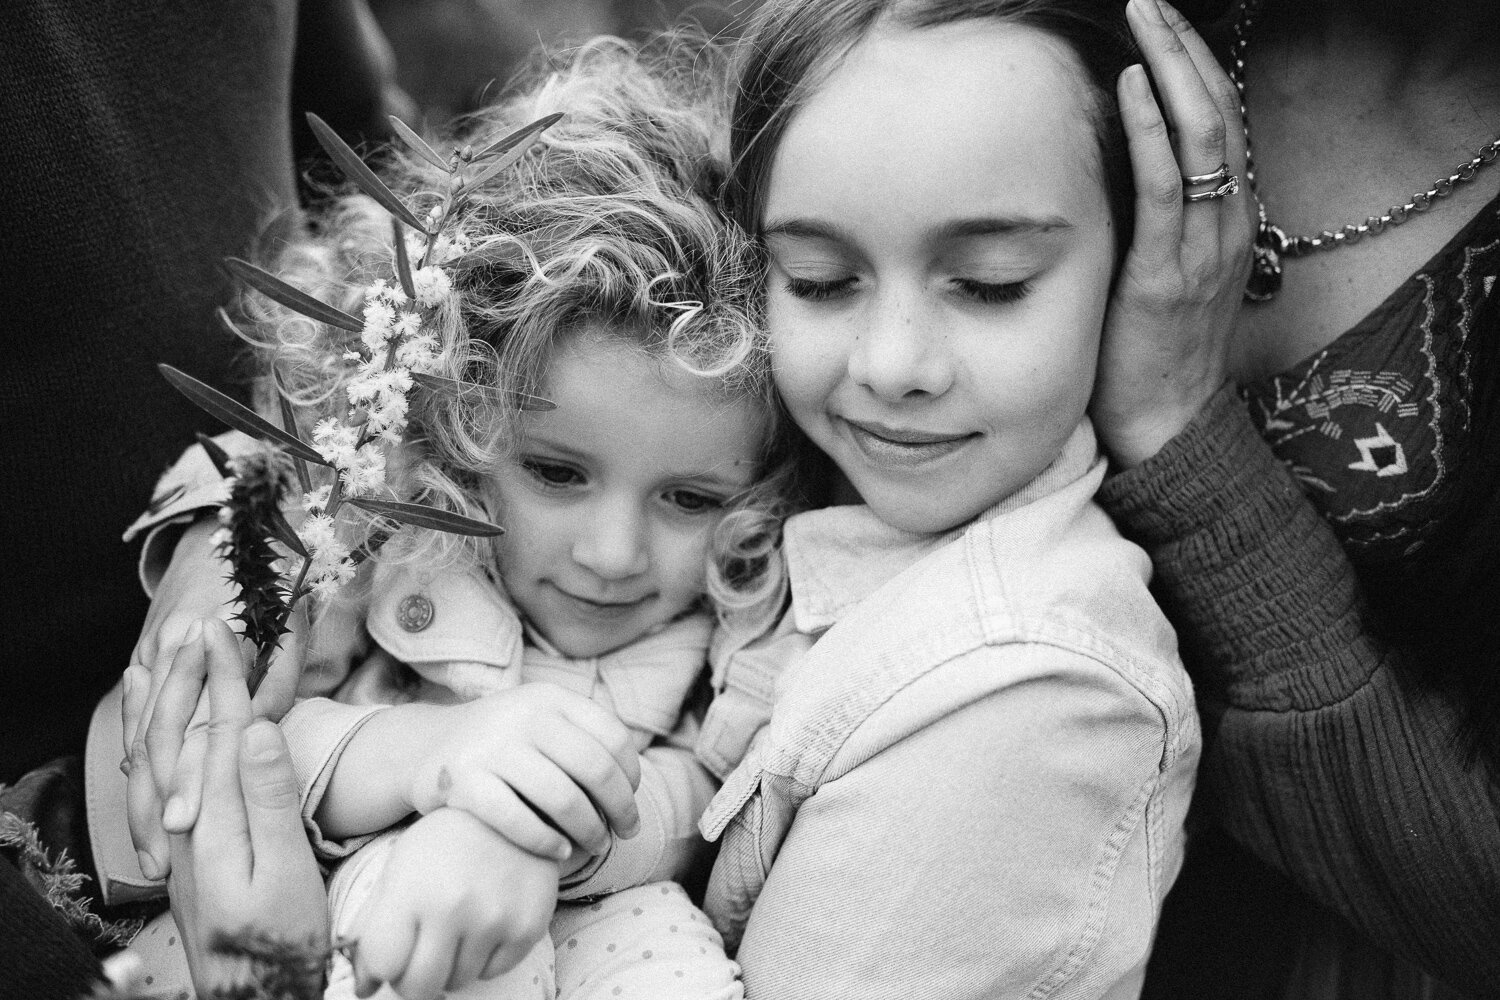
[1324, 757]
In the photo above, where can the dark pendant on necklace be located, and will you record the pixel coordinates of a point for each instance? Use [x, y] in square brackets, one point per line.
[1265, 268]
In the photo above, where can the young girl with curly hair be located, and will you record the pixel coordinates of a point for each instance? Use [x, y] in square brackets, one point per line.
[620, 424]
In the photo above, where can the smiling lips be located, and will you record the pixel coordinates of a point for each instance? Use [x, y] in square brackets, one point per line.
[602, 609]
[896, 447]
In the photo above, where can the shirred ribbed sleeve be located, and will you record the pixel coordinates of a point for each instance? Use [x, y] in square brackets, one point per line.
[1323, 755]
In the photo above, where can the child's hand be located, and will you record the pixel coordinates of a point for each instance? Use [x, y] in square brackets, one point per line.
[456, 902]
[533, 755]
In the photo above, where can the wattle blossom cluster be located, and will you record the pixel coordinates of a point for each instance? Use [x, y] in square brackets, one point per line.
[396, 352]
[395, 345]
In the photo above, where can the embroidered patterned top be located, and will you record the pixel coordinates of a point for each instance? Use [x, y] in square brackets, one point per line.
[1372, 423]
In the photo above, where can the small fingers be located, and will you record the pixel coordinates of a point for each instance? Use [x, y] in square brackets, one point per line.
[506, 957]
[143, 811]
[430, 967]
[135, 688]
[609, 731]
[385, 945]
[493, 802]
[596, 771]
[279, 687]
[471, 960]
[176, 701]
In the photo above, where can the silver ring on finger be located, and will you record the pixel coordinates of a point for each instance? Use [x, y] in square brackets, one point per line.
[1229, 187]
[1219, 176]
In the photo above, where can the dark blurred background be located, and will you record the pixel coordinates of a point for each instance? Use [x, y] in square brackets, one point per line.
[450, 53]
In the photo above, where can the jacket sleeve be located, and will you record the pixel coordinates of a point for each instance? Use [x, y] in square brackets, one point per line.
[1015, 846]
[316, 731]
[675, 788]
[1327, 761]
[184, 492]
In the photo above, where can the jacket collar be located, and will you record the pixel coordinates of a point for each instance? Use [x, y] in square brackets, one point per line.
[838, 556]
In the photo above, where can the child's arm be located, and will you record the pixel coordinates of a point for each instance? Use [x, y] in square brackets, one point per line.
[455, 901]
[509, 759]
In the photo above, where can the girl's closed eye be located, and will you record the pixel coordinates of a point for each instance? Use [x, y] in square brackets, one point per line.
[819, 289]
[992, 293]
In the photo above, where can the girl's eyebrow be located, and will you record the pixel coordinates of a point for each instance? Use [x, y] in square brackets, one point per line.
[989, 225]
[728, 480]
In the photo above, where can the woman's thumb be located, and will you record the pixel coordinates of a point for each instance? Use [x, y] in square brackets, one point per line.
[266, 775]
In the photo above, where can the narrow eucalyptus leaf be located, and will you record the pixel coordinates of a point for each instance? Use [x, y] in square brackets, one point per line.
[290, 296]
[403, 262]
[509, 150]
[289, 424]
[523, 134]
[216, 455]
[440, 385]
[236, 415]
[378, 537]
[283, 532]
[364, 178]
[504, 253]
[422, 516]
[418, 146]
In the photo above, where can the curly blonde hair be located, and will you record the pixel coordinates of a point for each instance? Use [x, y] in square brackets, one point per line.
[610, 224]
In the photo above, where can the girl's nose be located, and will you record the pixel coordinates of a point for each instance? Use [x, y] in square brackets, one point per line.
[612, 542]
[900, 352]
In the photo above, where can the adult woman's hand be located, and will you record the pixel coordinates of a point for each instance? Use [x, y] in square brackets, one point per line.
[192, 589]
[1166, 338]
[246, 867]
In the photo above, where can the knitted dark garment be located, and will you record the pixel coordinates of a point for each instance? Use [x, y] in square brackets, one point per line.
[40, 957]
[1346, 715]
[144, 142]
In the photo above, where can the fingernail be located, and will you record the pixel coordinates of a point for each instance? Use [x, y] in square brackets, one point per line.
[195, 631]
[1155, 7]
[1136, 83]
[564, 852]
[176, 817]
[260, 742]
[125, 765]
[1169, 14]
[127, 681]
[149, 867]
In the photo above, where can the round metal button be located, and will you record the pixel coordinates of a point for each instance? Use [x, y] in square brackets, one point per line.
[414, 613]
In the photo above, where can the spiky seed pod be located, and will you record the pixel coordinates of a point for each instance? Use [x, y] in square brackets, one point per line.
[262, 478]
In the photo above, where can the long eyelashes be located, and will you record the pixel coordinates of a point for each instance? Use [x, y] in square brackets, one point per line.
[983, 292]
[552, 474]
[992, 294]
[818, 291]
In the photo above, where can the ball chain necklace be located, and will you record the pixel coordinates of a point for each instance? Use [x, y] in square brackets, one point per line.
[1271, 241]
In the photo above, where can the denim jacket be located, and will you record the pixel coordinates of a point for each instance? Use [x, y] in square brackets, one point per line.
[974, 782]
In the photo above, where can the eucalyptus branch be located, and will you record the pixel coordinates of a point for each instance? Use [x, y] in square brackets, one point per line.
[398, 354]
